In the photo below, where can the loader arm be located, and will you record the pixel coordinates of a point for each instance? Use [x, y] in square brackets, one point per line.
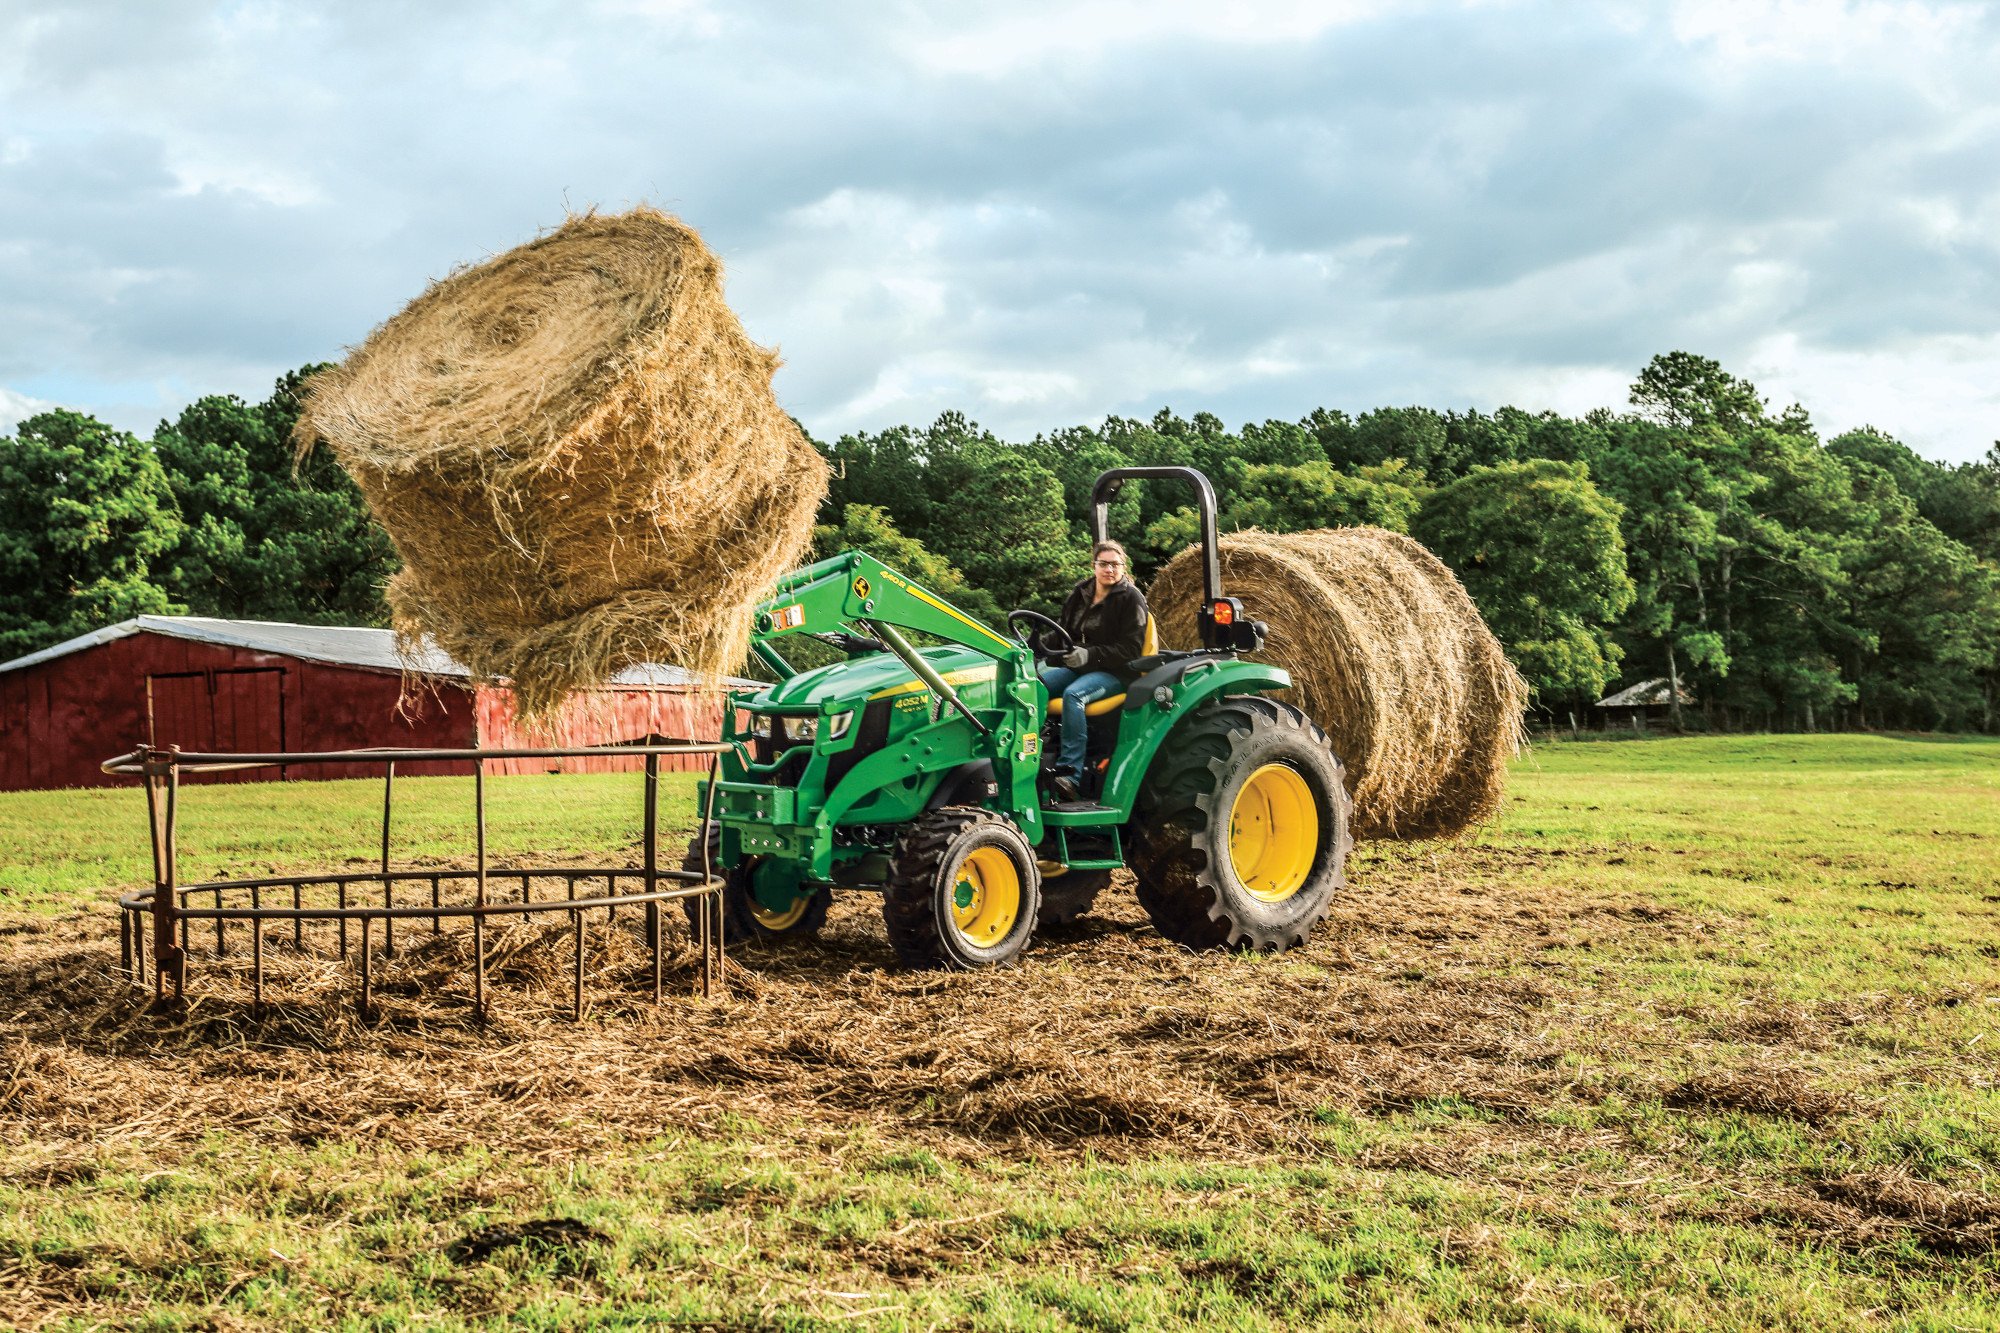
[854, 588]
[855, 591]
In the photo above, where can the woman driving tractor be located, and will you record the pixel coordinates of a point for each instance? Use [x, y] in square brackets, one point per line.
[1105, 617]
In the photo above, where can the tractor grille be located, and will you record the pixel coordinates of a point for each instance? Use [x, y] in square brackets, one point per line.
[872, 735]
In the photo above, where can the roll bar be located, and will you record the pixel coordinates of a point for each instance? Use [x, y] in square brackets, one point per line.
[1233, 633]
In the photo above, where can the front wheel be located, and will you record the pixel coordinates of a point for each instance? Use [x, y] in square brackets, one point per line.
[1242, 828]
[963, 890]
[744, 919]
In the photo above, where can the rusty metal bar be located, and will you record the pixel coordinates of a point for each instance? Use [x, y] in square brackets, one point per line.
[256, 951]
[168, 956]
[388, 808]
[690, 879]
[652, 837]
[709, 927]
[132, 764]
[298, 922]
[343, 918]
[576, 981]
[219, 947]
[479, 920]
[367, 977]
[388, 889]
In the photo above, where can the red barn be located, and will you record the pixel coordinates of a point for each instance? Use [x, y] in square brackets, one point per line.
[252, 686]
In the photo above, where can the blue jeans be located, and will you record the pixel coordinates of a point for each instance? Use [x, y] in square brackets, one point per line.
[1077, 689]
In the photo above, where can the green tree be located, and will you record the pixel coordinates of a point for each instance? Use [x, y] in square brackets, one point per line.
[1670, 503]
[1685, 391]
[85, 516]
[269, 536]
[1964, 503]
[1924, 611]
[1539, 548]
[1295, 498]
[1000, 519]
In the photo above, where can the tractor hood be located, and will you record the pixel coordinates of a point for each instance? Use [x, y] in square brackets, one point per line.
[876, 676]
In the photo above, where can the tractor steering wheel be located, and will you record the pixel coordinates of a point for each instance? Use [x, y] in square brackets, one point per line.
[1027, 624]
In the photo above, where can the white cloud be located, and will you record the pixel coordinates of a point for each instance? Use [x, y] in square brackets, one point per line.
[17, 407]
[1940, 396]
[1003, 39]
[1042, 212]
[1802, 32]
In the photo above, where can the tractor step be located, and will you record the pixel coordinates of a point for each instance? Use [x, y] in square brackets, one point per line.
[1081, 814]
[1088, 848]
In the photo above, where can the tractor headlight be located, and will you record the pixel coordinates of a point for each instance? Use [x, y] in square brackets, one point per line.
[753, 724]
[804, 730]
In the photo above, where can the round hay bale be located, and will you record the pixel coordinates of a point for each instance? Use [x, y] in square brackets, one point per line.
[576, 450]
[1387, 653]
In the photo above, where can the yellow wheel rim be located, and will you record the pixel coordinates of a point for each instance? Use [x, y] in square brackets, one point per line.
[784, 920]
[986, 896]
[1273, 833]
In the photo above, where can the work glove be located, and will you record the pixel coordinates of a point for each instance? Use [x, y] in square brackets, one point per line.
[1075, 658]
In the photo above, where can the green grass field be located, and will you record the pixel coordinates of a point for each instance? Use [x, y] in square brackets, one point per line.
[1702, 1033]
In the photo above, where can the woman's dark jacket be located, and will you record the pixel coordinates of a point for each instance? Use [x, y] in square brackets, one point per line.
[1112, 632]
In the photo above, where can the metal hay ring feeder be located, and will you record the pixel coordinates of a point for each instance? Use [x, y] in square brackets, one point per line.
[171, 907]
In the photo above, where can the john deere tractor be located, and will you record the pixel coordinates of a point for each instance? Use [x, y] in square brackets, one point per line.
[912, 772]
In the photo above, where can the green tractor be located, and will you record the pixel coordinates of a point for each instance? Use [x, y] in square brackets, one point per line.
[913, 773]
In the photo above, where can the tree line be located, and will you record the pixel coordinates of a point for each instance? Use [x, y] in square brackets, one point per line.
[1783, 581]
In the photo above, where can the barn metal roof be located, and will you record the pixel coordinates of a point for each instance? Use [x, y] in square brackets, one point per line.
[340, 645]
[1644, 694]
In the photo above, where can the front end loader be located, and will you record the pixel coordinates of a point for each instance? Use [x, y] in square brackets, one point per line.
[913, 772]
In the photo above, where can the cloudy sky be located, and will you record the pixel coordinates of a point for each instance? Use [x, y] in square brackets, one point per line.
[1040, 213]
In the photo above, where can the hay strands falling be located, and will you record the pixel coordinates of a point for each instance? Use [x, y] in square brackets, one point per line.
[357, 913]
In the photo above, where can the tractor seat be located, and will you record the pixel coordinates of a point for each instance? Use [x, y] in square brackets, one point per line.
[1147, 648]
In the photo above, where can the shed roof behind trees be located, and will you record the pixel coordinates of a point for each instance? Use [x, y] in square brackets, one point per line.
[339, 645]
[1646, 694]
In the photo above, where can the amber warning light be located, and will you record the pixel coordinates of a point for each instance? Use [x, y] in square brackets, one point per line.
[1225, 613]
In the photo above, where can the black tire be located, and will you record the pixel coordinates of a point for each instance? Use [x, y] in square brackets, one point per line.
[1182, 852]
[743, 921]
[938, 875]
[1068, 896]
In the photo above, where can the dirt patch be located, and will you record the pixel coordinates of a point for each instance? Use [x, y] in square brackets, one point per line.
[1107, 1038]
[1780, 1092]
[1859, 1210]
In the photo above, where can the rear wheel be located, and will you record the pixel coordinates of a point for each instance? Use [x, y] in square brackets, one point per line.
[963, 890]
[744, 919]
[1242, 828]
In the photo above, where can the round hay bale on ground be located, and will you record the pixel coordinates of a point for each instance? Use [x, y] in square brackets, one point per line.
[577, 453]
[1387, 653]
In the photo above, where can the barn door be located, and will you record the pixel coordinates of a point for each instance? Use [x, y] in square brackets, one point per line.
[240, 710]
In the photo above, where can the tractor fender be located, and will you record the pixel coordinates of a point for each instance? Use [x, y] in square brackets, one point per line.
[1139, 694]
[971, 783]
[1190, 692]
